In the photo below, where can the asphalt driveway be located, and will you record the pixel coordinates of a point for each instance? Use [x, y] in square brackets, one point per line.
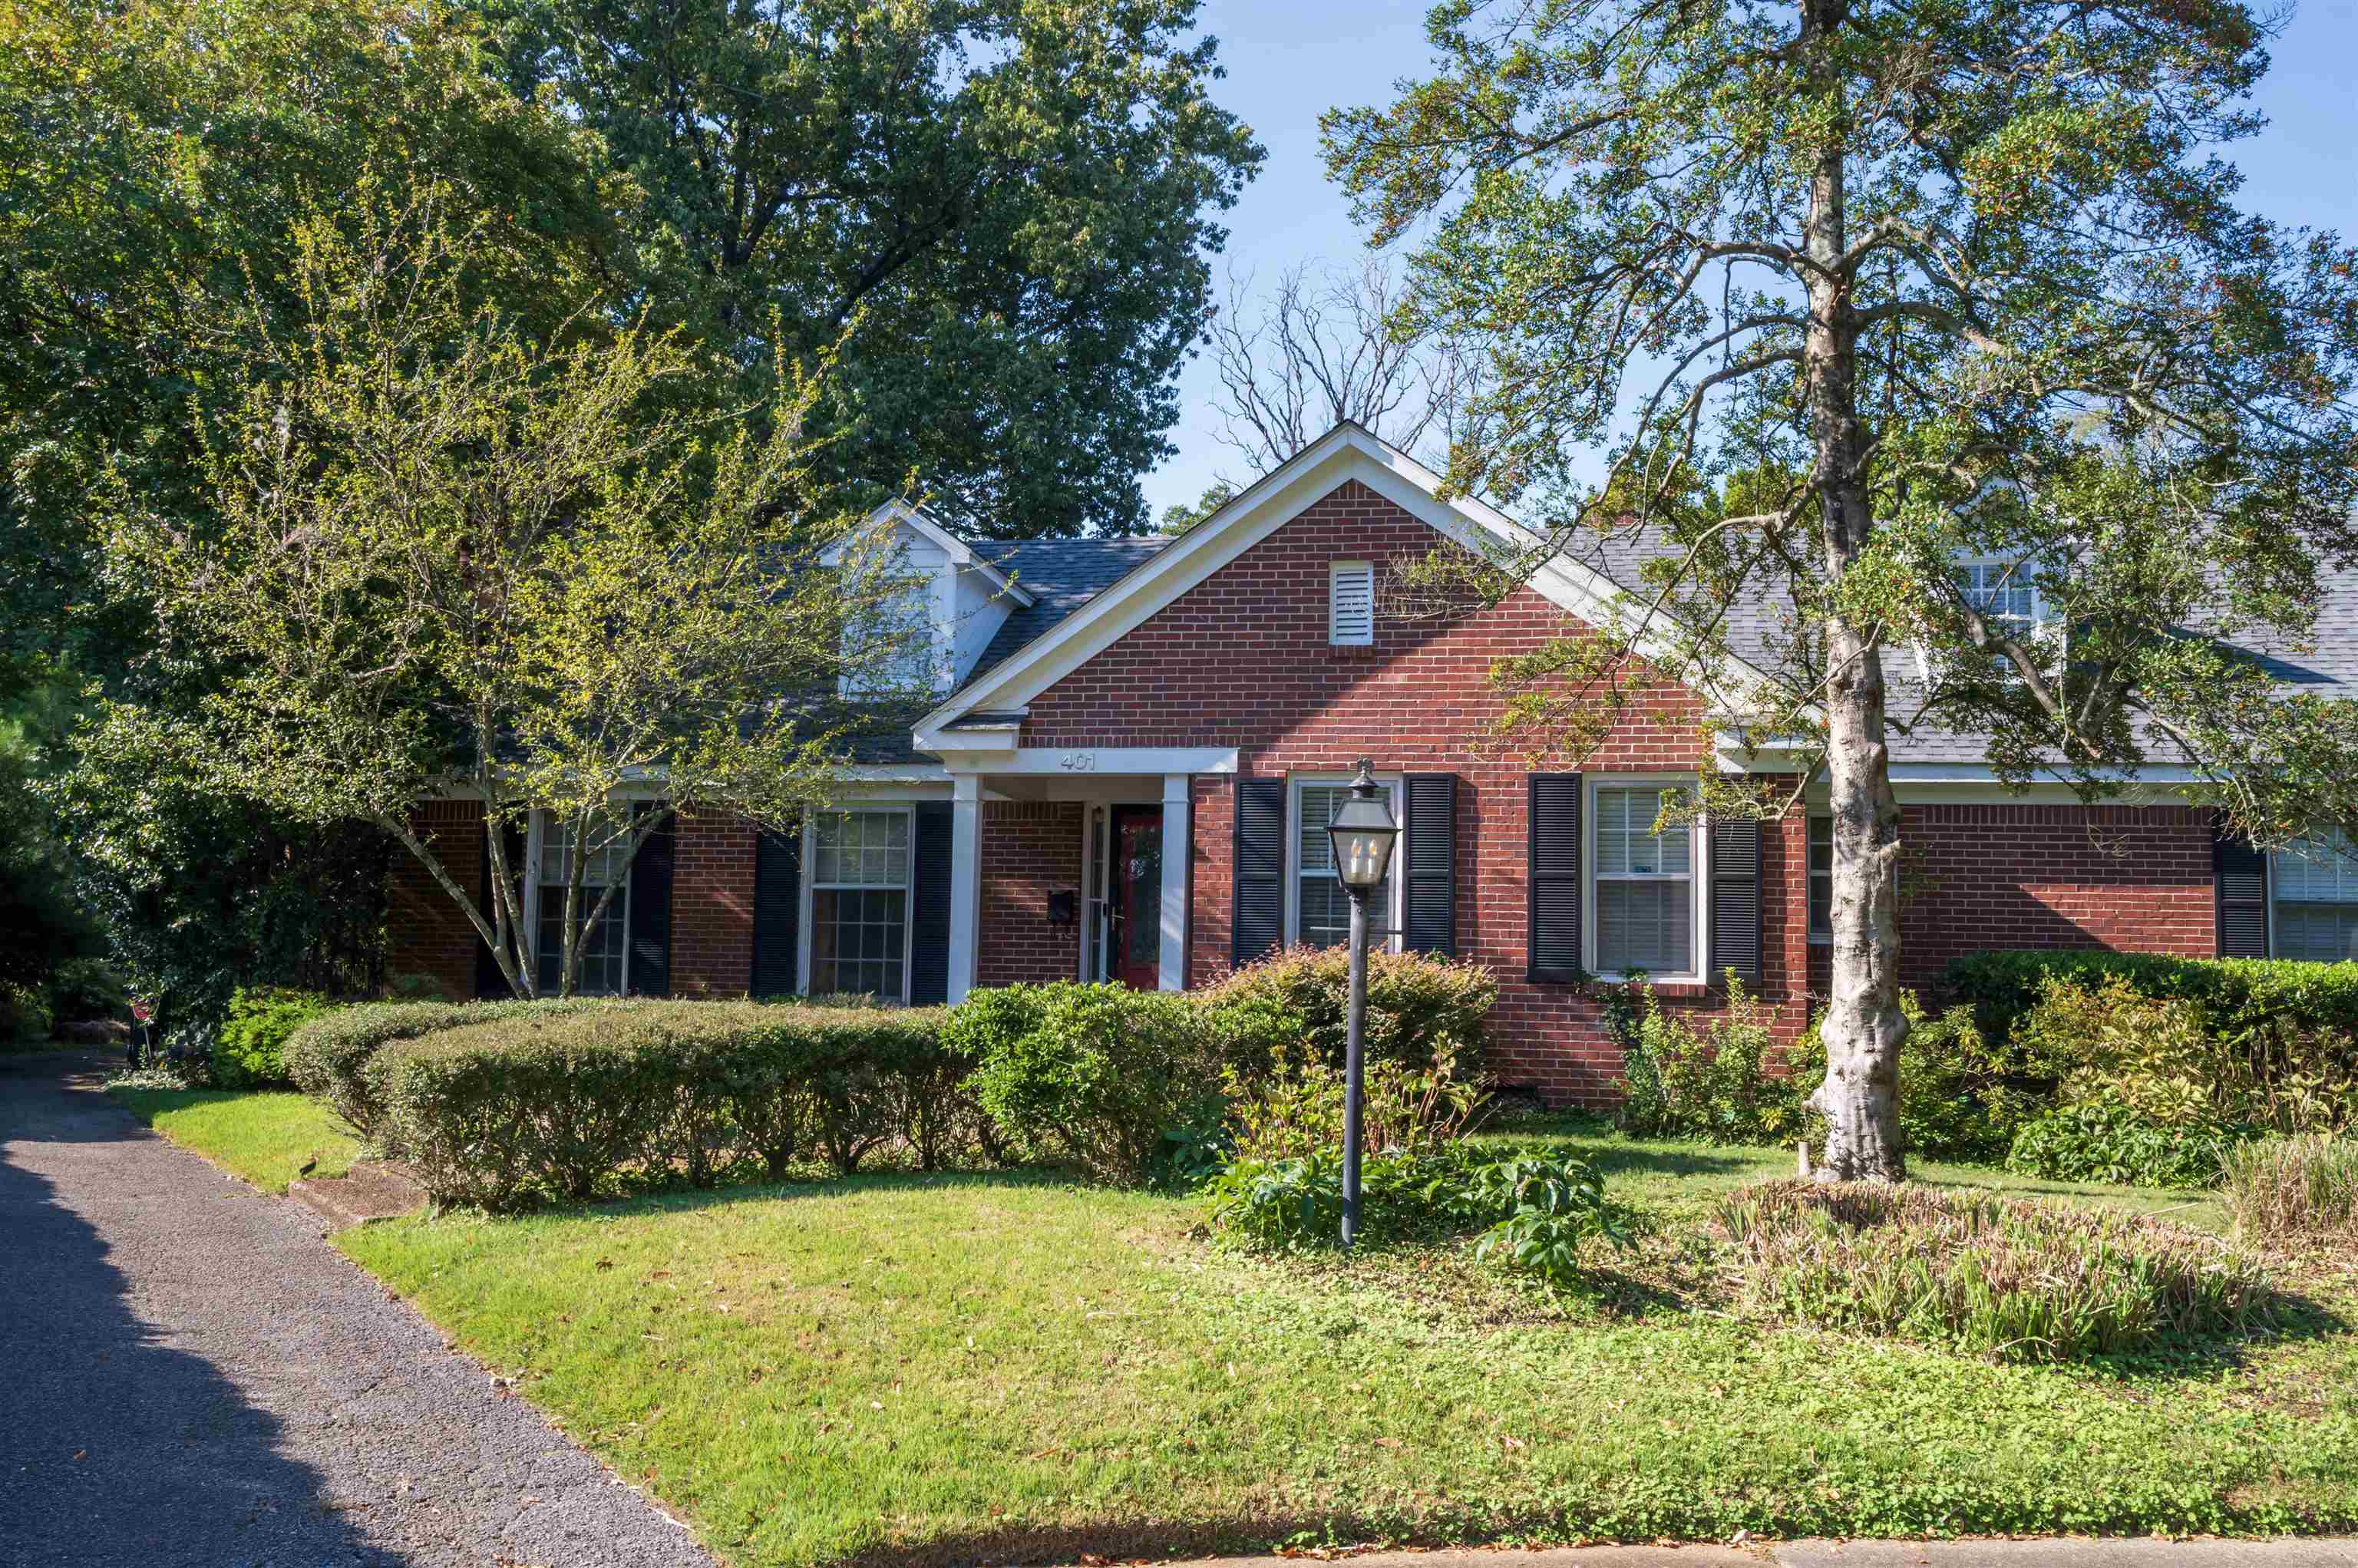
[189, 1373]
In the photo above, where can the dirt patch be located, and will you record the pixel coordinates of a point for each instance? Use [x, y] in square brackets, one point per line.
[375, 1189]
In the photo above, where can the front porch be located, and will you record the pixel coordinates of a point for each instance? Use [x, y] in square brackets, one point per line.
[1073, 863]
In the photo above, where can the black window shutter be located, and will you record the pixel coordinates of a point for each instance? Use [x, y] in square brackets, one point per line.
[2239, 876]
[929, 940]
[777, 913]
[1736, 899]
[490, 984]
[650, 965]
[1552, 833]
[1430, 894]
[1257, 924]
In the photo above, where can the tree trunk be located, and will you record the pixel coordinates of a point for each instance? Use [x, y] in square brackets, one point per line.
[1864, 1026]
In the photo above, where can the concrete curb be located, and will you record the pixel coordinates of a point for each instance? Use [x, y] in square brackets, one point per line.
[2073, 1552]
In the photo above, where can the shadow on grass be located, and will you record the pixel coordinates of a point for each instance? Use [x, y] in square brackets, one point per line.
[676, 1199]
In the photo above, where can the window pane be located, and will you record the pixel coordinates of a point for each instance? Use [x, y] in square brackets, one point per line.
[857, 938]
[2318, 869]
[1626, 842]
[1822, 876]
[1646, 925]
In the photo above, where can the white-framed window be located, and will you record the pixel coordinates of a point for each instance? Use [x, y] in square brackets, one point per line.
[605, 941]
[1318, 911]
[1822, 879]
[2313, 899]
[2001, 591]
[1351, 604]
[1645, 888]
[856, 926]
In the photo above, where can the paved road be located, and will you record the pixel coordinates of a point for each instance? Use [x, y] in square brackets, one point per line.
[188, 1374]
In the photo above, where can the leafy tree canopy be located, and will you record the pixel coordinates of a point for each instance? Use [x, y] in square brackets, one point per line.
[1001, 207]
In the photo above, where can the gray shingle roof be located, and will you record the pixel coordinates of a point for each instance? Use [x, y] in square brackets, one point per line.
[1061, 575]
[1758, 633]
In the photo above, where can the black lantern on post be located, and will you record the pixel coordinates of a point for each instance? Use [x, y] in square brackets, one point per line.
[1362, 833]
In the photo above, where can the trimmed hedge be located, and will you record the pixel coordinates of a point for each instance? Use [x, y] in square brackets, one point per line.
[1094, 1077]
[1419, 1007]
[553, 1101]
[326, 1056]
[2238, 995]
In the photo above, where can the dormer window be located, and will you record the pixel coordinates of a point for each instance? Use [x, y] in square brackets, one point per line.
[2002, 592]
[1351, 604]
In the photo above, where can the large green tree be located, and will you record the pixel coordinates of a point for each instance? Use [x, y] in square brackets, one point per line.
[455, 549]
[1001, 208]
[1849, 292]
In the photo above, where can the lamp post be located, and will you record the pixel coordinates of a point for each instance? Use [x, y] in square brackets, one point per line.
[1362, 833]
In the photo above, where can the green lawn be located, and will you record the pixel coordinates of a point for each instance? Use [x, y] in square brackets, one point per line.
[989, 1367]
[264, 1135]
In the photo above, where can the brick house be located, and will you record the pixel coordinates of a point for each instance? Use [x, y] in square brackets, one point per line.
[1128, 774]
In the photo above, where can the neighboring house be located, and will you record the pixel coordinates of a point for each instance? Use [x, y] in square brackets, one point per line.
[1129, 772]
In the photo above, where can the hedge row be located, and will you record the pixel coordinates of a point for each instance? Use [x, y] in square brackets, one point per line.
[2238, 996]
[327, 1057]
[494, 1103]
[555, 1099]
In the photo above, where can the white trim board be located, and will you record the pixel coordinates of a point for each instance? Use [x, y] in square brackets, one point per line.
[1347, 452]
[958, 552]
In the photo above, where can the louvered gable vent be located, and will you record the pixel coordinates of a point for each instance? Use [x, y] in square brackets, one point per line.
[1351, 604]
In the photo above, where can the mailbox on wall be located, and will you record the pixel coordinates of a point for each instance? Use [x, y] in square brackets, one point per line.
[1062, 904]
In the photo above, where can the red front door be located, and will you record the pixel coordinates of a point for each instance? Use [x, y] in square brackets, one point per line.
[1135, 896]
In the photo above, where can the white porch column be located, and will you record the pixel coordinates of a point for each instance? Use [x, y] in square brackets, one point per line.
[965, 880]
[1176, 868]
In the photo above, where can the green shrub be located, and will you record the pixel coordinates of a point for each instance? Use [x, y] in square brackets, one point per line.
[327, 1056]
[1296, 1106]
[2007, 1278]
[2290, 1186]
[24, 1013]
[1094, 1075]
[1958, 1100]
[2106, 1140]
[2168, 1059]
[1546, 1207]
[573, 1099]
[2284, 1033]
[1536, 1209]
[1418, 1006]
[250, 1047]
[1723, 1080]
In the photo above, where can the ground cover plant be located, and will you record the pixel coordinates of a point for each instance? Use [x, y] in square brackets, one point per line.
[1998, 1277]
[2285, 1187]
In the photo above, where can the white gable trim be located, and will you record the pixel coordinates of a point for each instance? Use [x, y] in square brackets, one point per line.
[1345, 452]
[959, 551]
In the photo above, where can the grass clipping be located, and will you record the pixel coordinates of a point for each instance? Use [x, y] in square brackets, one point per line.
[2012, 1280]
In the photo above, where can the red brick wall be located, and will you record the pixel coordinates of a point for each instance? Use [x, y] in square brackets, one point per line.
[1242, 660]
[426, 932]
[1030, 849]
[1977, 877]
[711, 905]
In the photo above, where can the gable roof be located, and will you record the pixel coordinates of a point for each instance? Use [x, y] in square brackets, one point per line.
[1011, 675]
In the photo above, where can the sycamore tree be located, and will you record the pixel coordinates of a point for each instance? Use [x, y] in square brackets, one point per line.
[452, 551]
[1933, 329]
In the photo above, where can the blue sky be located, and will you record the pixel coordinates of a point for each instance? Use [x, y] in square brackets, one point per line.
[1289, 62]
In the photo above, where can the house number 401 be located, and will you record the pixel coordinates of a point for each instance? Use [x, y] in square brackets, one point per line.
[1078, 762]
